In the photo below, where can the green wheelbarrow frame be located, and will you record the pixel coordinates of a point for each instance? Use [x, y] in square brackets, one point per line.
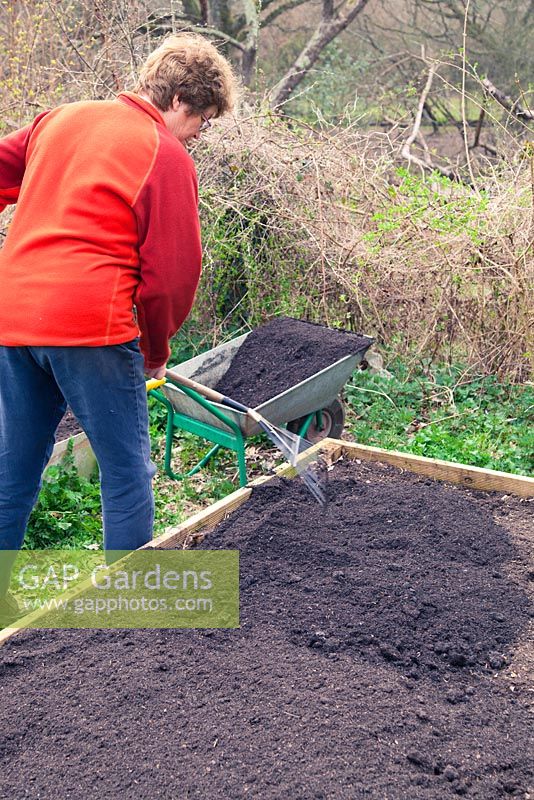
[233, 439]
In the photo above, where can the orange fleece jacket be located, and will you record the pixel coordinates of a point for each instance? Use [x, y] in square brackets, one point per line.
[106, 219]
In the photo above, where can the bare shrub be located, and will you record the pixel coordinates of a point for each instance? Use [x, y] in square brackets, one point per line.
[319, 223]
[422, 263]
[55, 51]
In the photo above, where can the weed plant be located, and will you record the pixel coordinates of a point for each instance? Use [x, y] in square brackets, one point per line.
[68, 512]
[444, 412]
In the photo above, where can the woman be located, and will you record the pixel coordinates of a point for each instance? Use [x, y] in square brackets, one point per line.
[106, 221]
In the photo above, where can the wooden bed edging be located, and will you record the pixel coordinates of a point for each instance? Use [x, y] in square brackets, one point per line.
[488, 480]
[472, 477]
[208, 517]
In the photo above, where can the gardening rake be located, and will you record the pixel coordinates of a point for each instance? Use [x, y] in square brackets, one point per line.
[289, 444]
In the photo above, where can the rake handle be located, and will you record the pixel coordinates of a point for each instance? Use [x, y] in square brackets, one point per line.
[211, 394]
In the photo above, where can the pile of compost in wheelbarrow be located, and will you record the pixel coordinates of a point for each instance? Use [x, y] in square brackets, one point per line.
[281, 354]
[382, 654]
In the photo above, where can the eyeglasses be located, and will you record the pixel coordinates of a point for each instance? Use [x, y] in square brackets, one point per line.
[205, 124]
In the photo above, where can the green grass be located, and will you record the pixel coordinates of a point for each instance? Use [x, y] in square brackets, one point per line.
[445, 413]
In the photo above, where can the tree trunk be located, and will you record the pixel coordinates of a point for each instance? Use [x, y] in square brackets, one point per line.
[248, 63]
[331, 24]
[251, 9]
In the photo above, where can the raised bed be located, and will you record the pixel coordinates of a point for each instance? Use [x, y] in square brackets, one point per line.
[383, 653]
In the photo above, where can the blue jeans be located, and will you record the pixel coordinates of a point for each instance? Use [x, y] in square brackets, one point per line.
[105, 387]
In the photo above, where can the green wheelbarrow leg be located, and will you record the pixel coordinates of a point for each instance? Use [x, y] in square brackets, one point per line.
[202, 463]
[234, 441]
[169, 436]
[238, 448]
[240, 451]
[241, 463]
[303, 430]
[204, 460]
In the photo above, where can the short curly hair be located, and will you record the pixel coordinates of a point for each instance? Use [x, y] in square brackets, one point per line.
[190, 66]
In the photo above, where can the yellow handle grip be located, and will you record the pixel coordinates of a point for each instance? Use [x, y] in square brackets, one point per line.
[154, 383]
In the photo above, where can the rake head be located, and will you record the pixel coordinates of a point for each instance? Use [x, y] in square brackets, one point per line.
[292, 446]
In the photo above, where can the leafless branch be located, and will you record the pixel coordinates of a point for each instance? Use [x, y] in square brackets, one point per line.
[506, 102]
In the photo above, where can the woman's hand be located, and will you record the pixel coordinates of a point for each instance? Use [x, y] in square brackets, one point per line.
[158, 372]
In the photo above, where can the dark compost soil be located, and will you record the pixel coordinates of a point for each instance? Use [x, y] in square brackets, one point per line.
[282, 353]
[69, 426]
[382, 654]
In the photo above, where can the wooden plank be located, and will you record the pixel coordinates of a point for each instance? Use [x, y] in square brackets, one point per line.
[82, 453]
[207, 518]
[488, 480]
[7, 633]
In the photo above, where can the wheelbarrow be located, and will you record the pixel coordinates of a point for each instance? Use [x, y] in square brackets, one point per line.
[311, 408]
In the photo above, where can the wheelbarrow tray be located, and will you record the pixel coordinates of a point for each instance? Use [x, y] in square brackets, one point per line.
[312, 394]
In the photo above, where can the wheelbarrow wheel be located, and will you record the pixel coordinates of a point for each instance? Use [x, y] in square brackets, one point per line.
[333, 419]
